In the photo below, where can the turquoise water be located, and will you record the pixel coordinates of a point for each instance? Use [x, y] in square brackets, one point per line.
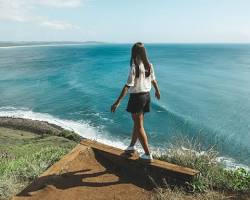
[205, 92]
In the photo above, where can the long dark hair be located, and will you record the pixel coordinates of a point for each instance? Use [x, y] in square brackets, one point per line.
[139, 52]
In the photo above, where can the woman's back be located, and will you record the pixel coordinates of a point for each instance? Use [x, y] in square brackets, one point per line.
[141, 83]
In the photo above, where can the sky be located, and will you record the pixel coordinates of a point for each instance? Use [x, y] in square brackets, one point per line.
[125, 21]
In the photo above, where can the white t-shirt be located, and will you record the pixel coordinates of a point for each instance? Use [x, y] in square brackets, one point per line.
[142, 83]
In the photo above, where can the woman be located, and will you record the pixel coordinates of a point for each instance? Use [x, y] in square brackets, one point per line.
[139, 81]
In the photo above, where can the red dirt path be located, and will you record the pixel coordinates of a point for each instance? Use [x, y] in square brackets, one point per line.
[83, 175]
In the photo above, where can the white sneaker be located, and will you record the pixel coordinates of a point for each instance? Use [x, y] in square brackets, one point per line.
[146, 157]
[130, 149]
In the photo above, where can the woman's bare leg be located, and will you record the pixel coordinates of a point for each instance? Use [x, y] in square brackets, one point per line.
[134, 134]
[141, 132]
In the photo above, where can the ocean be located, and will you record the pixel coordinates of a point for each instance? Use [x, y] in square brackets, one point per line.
[205, 92]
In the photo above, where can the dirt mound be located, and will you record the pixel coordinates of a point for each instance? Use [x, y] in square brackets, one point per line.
[83, 174]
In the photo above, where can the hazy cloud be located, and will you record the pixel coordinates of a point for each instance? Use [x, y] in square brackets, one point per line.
[23, 11]
[59, 25]
[59, 3]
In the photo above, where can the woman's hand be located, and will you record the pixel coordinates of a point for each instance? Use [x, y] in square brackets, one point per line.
[157, 94]
[123, 94]
[157, 91]
[114, 107]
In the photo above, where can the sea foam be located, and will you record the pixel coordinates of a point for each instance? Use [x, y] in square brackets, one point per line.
[81, 127]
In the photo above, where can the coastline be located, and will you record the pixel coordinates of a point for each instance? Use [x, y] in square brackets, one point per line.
[39, 127]
[82, 128]
[47, 124]
[41, 44]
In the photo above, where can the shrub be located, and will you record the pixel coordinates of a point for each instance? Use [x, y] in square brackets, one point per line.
[213, 176]
[70, 135]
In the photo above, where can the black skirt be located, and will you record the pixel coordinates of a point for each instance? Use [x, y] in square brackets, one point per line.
[139, 102]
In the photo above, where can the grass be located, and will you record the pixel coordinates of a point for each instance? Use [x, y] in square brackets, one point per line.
[70, 135]
[213, 182]
[180, 194]
[25, 155]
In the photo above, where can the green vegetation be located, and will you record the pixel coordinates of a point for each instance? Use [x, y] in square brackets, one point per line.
[70, 135]
[24, 156]
[213, 178]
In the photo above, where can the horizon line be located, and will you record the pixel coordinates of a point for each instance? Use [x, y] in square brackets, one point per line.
[129, 42]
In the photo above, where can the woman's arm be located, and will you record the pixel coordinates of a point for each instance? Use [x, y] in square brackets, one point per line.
[157, 91]
[122, 95]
